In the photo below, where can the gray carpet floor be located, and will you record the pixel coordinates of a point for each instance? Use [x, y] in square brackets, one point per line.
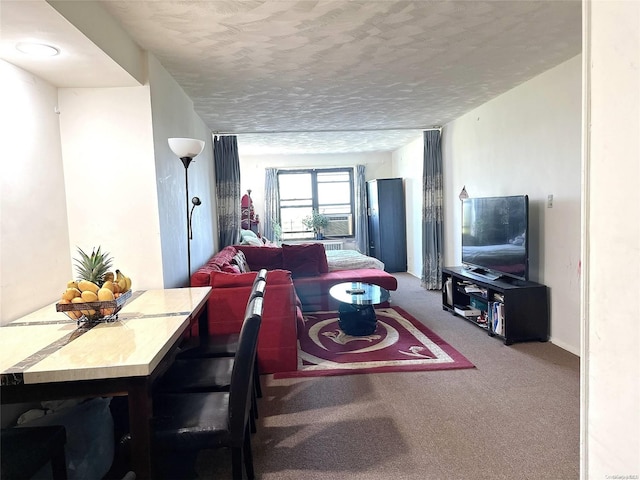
[514, 416]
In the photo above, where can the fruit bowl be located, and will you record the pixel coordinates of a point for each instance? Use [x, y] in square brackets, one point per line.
[94, 312]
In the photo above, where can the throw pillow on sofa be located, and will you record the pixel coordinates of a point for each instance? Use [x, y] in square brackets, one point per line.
[247, 233]
[248, 237]
[305, 260]
[261, 257]
[231, 268]
[223, 257]
[252, 241]
[240, 260]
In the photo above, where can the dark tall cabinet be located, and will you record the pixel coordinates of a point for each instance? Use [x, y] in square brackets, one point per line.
[387, 225]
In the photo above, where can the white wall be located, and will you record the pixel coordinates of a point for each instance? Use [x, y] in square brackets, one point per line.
[110, 178]
[252, 167]
[526, 141]
[173, 116]
[34, 239]
[35, 264]
[407, 164]
[115, 147]
[611, 366]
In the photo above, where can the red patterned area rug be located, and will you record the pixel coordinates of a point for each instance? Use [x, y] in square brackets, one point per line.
[400, 343]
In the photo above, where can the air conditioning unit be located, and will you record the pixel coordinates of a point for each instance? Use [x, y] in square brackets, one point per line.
[339, 226]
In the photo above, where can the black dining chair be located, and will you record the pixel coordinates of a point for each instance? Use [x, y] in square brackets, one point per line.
[221, 345]
[210, 374]
[25, 450]
[190, 422]
[226, 345]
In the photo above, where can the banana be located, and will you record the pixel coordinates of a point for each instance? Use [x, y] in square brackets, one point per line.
[123, 281]
[119, 275]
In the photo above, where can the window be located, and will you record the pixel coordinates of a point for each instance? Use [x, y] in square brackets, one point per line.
[330, 192]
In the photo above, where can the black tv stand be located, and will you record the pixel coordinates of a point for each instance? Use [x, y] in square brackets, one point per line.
[514, 310]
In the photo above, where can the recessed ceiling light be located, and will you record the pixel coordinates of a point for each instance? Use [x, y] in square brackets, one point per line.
[37, 49]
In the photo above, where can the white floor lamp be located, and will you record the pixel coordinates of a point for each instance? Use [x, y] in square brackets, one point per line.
[187, 149]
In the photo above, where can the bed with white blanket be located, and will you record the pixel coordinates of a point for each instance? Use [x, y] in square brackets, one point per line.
[351, 260]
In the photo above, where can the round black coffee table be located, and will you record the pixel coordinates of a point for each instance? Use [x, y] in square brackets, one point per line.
[357, 316]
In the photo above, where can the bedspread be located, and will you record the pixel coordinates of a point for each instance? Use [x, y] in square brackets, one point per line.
[351, 260]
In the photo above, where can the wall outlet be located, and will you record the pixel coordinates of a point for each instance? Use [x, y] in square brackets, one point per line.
[549, 201]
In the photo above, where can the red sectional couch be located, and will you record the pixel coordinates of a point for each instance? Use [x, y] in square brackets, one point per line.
[310, 271]
[298, 279]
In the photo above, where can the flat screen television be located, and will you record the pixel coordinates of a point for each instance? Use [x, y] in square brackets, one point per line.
[495, 236]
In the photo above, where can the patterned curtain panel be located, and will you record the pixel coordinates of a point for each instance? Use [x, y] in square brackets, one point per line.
[432, 211]
[271, 221]
[362, 220]
[227, 166]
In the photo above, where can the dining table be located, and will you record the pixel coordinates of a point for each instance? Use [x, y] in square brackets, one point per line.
[46, 355]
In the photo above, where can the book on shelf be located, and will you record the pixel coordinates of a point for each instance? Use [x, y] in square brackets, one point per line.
[496, 317]
[466, 310]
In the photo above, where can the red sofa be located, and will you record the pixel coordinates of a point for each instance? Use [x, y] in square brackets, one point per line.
[310, 272]
[298, 279]
[277, 341]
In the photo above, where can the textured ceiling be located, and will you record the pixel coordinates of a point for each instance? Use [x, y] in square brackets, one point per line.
[348, 66]
[293, 73]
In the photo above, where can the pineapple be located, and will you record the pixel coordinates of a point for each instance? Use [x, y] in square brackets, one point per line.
[94, 267]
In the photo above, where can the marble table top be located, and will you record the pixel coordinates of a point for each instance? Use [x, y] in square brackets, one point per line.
[47, 346]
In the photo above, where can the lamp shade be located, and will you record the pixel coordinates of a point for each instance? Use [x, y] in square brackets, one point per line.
[186, 147]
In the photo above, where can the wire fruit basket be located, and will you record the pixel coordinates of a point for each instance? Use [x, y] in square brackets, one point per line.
[94, 312]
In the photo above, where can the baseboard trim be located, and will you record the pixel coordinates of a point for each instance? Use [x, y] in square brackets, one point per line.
[566, 346]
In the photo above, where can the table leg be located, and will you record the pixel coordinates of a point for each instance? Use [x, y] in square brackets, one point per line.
[203, 321]
[140, 411]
